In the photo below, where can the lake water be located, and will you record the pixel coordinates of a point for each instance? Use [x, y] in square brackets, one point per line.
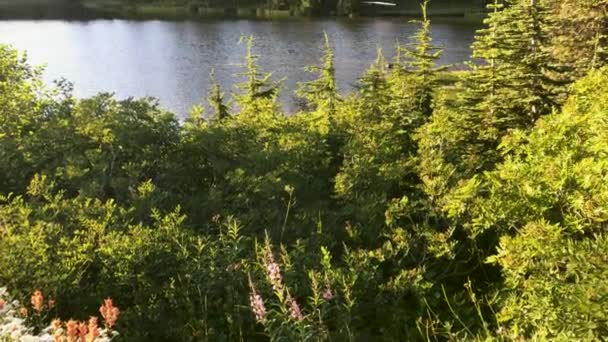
[172, 60]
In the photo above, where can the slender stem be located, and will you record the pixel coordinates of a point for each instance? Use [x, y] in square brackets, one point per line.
[289, 203]
[454, 312]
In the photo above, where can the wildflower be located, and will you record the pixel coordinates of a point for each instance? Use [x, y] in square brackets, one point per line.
[72, 330]
[37, 301]
[23, 312]
[294, 309]
[2, 304]
[109, 313]
[82, 331]
[58, 335]
[51, 303]
[257, 304]
[327, 294]
[55, 324]
[15, 334]
[93, 329]
[233, 267]
[274, 273]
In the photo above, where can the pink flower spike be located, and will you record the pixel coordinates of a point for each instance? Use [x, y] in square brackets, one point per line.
[327, 294]
[257, 304]
[294, 310]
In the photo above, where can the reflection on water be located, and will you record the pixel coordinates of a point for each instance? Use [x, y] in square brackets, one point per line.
[172, 60]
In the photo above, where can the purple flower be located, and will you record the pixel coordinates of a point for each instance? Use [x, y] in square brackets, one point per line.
[257, 304]
[294, 309]
[274, 273]
[327, 294]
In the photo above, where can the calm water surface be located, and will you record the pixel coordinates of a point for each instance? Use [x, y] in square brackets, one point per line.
[172, 60]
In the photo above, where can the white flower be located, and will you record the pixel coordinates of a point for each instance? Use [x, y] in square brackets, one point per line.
[13, 328]
[16, 334]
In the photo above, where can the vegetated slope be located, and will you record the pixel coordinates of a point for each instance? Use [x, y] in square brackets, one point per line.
[425, 205]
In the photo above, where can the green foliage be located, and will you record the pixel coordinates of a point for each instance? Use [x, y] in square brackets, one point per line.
[257, 93]
[216, 101]
[374, 88]
[579, 34]
[554, 172]
[419, 60]
[380, 155]
[428, 205]
[551, 191]
[514, 82]
[322, 93]
[21, 113]
[243, 167]
[85, 249]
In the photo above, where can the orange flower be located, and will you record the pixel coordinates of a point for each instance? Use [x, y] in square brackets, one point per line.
[72, 329]
[37, 301]
[82, 331]
[56, 324]
[23, 312]
[93, 330]
[2, 304]
[92, 321]
[57, 336]
[109, 313]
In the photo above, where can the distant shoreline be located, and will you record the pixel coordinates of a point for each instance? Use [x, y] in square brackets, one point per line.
[113, 9]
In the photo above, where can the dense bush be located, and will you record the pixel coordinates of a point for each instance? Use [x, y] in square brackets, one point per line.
[427, 205]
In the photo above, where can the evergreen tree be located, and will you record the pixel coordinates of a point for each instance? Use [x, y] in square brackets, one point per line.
[420, 59]
[516, 80]
[545, 204]
[374, 89]
[216, 100]
[461, 138]
[258, 93]
[381, 155]
[579, 35]
[413, 80]
[511, 84]
[322, 93]
[322, 96]
[196, 119]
